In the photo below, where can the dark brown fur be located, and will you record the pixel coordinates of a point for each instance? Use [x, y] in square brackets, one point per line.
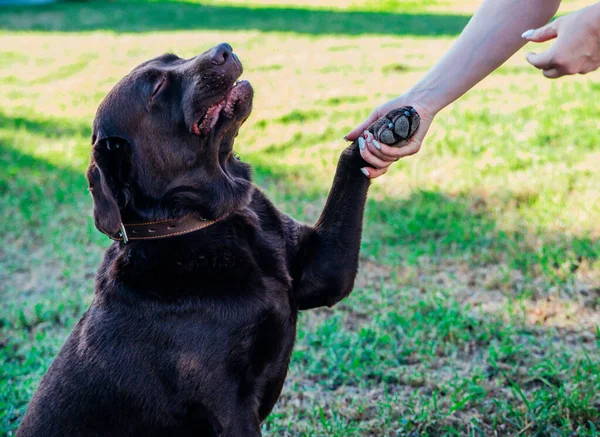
[191, 335]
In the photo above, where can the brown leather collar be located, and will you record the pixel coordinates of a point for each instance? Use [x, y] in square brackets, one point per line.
[161, 228]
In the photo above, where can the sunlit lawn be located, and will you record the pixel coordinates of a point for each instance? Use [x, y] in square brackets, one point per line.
[478, 302]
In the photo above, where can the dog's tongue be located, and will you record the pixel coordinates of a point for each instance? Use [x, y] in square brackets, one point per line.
[211, 117]
[237, 93]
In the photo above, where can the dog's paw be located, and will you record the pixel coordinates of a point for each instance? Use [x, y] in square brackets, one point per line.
[396, 127]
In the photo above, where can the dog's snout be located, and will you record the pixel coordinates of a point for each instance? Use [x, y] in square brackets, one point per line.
[221, 54]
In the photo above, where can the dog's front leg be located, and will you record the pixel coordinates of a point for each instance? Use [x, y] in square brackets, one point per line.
[327, 258]
[242, 424]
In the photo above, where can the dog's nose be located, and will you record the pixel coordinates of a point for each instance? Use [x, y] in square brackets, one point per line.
[221, 54]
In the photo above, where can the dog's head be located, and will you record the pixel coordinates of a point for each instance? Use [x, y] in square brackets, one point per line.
[163, 139]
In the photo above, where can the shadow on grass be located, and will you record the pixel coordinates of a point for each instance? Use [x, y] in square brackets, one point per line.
[460, 228]
[124, 17]
[49, 128]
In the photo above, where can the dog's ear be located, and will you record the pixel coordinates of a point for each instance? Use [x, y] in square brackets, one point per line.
[108, 176]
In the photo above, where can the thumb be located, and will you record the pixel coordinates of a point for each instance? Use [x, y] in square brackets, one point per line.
[544, 33]
[358, 130]
[543, 60]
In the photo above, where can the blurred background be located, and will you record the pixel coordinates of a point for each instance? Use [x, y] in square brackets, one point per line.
[477, 307]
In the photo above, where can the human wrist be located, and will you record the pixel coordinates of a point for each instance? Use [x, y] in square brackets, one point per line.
[595, 11]
[427, 100]
[591, 17]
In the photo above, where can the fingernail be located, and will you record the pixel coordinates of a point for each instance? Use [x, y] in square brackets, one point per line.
[377, 145]
[364, 171]
[528, 34]
[361, 143]
[346, 138]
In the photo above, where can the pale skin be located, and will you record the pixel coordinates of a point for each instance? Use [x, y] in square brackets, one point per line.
[498, 30]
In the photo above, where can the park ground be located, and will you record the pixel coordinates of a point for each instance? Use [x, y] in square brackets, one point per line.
[477, 306]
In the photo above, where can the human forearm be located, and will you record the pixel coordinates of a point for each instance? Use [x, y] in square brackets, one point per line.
[492, 36]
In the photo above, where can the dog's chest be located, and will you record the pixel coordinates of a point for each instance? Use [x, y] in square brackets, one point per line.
[206, 263]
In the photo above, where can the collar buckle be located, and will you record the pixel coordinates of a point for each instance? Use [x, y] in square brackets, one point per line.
[123, 234]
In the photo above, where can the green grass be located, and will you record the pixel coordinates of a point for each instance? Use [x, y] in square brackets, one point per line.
[477, 307]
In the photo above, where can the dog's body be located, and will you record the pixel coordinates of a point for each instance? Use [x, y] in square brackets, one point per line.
[192, 335]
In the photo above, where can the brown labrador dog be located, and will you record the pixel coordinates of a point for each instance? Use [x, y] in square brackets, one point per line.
[194, 315]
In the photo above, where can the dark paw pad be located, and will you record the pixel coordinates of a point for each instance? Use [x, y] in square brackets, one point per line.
[396, 127]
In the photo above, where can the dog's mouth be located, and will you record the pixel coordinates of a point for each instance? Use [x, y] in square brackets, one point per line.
[239, 97]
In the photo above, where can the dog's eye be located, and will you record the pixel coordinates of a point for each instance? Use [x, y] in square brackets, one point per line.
[159, 86]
